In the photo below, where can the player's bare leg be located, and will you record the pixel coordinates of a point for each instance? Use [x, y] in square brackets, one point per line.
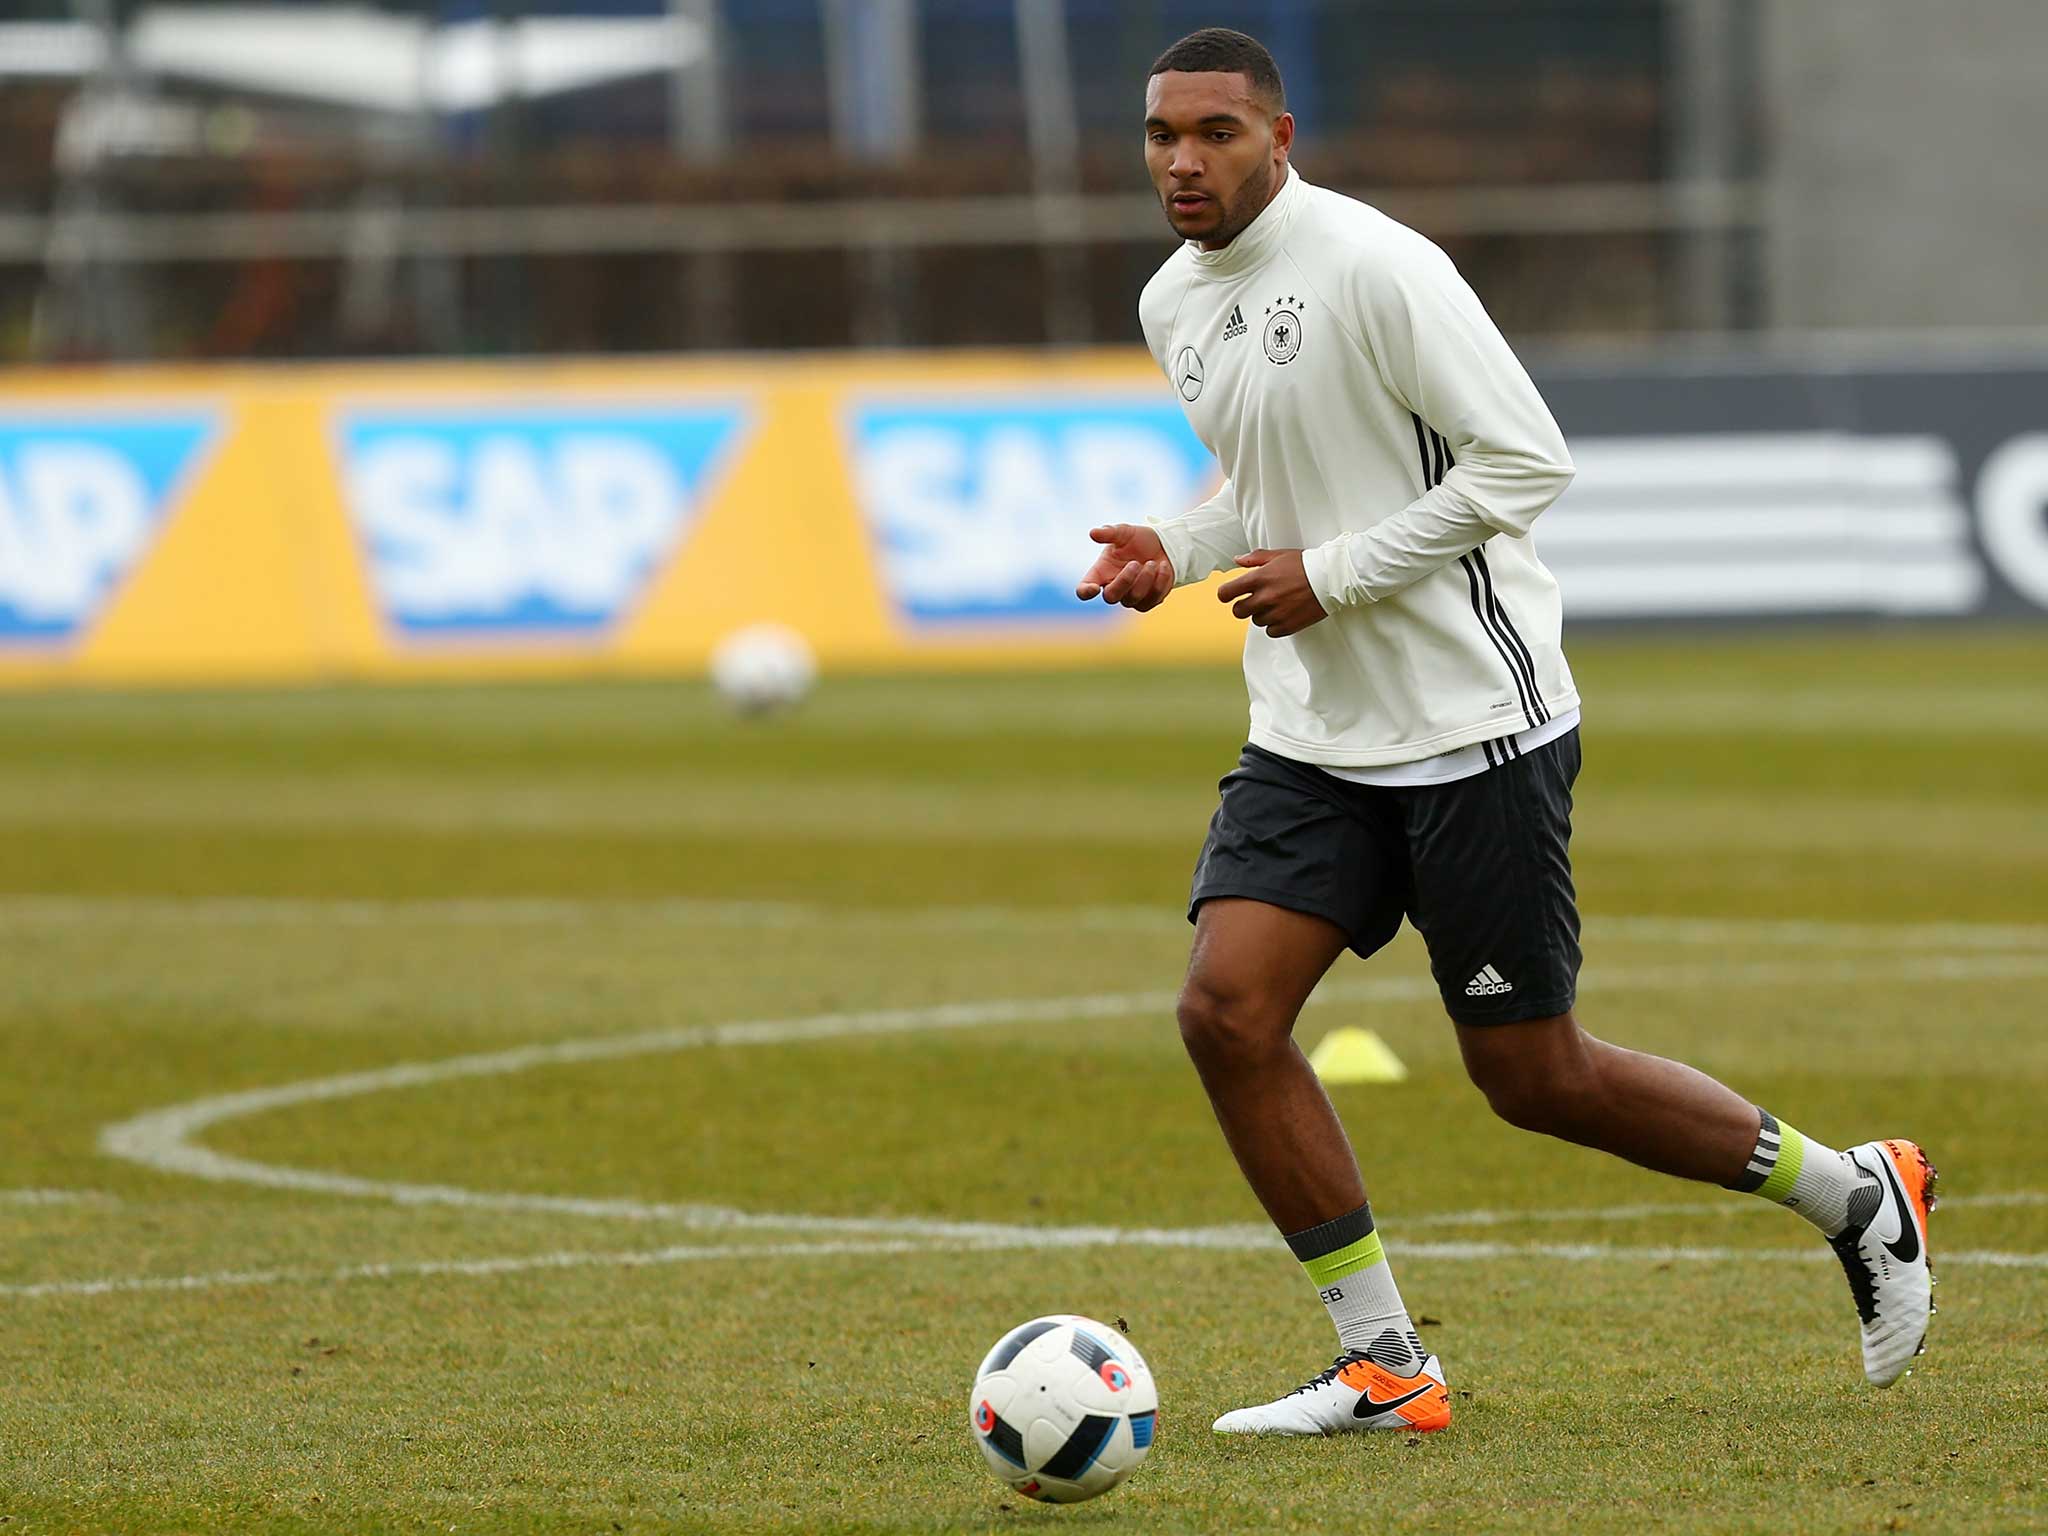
[1252, 969]
[1871, 1202]
[1550, 1076]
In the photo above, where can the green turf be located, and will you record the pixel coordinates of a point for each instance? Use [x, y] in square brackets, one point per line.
[208, 893]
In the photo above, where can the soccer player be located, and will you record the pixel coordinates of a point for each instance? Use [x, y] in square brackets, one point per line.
[1414, 733]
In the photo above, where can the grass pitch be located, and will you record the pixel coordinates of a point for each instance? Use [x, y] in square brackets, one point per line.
[665, 1278]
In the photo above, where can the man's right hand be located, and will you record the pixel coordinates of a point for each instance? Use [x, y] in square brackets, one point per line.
[1132, 570]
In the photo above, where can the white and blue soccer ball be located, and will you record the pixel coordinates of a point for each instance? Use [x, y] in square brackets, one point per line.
[1063, 1409]
[763, 668]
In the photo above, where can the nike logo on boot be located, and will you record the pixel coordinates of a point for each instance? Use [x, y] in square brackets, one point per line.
[1368, 1405]
[1906, 1246]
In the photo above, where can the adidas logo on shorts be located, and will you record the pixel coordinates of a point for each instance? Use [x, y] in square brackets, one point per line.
[1487, 983]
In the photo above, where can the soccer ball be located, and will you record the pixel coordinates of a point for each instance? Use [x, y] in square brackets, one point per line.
[1063, 1409]
[762, 668]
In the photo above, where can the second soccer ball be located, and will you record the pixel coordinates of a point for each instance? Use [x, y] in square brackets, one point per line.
[763, 668]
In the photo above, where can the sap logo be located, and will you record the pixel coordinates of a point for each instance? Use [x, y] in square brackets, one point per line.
[80, 500]
[981, 513]
[511, 523]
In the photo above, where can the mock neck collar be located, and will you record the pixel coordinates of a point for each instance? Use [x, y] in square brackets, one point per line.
[1260, 238]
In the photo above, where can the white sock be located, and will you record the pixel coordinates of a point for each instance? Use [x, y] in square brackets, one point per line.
[1800, 1174]
[1345, 1262]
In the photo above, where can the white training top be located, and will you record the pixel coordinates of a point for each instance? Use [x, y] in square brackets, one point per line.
[1366, 410]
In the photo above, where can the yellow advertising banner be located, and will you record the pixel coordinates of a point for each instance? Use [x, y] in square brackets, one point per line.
[281, 523]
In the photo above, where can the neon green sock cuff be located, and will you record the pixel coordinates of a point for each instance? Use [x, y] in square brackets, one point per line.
[1348, 1260]
[1791, 1158]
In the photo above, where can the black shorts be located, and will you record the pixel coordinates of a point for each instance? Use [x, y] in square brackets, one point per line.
[1480, 865]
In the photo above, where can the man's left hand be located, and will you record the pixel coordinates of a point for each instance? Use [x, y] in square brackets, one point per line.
[1273, 592]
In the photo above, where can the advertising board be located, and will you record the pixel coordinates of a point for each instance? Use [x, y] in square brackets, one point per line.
[316, 523]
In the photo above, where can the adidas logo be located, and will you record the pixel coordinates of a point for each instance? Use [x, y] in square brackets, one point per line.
[1487, 983]
[1235, 326]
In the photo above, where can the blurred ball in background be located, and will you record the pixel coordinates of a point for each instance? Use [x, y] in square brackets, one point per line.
[763, 669]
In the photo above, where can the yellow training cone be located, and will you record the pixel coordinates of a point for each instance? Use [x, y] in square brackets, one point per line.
[1355, 1056]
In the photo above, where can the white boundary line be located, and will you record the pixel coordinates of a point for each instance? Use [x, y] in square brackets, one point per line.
[68, 911]
[163, 1140]
[1254, 1240]
[1688, 1209]
[518, 1264]
[56, 1197]
[1822, 935]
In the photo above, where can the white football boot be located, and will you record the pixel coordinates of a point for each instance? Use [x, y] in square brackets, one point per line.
[1884, 1253]
[1356, 1392]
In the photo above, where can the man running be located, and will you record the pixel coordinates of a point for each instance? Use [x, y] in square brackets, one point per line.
[1414, 733]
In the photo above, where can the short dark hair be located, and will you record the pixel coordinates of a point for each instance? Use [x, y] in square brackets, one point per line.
[1220, 51]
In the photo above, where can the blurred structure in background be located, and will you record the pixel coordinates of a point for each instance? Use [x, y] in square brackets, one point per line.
[492, 177]
[1776, 265]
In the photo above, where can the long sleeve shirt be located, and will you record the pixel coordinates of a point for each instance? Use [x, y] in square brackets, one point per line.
[1366, 410]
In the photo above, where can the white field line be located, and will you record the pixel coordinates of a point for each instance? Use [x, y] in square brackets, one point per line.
[1572, 1216]
[163, 1139]
[1822, 935]
[488, 911]
[1608, 1253]
[511, 1265]
[55, 1197]
[1254, 1239]
[69, 911]
[1687, 1209]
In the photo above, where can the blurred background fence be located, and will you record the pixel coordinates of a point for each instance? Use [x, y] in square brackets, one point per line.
[1779, 264]
[462, 177]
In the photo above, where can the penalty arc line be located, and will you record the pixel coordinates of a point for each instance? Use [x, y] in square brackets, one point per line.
[163, 1140]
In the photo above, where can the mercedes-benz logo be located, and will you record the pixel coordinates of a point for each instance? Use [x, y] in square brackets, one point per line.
[1187, 373]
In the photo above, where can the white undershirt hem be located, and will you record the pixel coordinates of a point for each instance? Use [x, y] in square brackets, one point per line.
[1464, 763]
